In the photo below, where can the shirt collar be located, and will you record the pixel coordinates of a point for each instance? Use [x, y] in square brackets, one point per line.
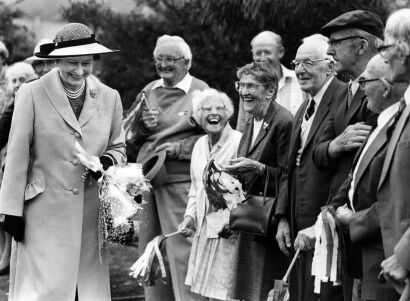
[226, 134]
[354, 85]
[407, 96]
[319, 95]
[184, 84]
[387, 114]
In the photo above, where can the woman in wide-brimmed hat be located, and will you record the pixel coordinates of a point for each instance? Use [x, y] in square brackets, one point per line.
[50, 211]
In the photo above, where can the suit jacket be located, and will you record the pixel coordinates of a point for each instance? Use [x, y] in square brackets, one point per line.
[313, 183]
[394, 190]
[270, 148]
[42, 182]
[365, 255]
[339, 119]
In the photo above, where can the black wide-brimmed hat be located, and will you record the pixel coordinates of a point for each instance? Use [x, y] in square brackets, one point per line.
[360, 19]
[73, 39]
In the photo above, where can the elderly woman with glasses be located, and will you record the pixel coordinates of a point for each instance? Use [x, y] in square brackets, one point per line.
[263, 151]
[51, 212]
[213, 256]
[393, 193]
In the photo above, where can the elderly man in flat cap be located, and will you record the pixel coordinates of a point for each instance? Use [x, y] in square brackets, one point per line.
[353, 40]
[267, 46]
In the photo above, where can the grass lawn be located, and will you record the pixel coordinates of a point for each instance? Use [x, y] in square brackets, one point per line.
[123, 286]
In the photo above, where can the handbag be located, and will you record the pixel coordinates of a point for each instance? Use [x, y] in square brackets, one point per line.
[254, 214]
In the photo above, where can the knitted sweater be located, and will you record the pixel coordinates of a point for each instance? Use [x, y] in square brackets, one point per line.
[174, 125]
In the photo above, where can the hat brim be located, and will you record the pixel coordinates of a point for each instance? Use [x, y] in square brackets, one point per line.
[33, 58]
[80, 50]
[154, 169]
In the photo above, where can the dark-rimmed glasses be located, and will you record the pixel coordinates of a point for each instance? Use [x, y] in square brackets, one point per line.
[362, 81]
[251, 87]
[337, 41]
[306, 64]
[167, 59]
[208, 109]
[383, 48]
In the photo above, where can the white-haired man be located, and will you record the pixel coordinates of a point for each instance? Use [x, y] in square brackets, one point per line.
[394, 189]
[162, 123]
[267, 46]
[306, 188]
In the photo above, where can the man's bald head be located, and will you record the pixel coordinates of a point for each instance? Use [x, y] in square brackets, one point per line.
[267, 46]
[376, 82]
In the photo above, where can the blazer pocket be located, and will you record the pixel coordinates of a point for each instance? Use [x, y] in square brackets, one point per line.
[36, 185]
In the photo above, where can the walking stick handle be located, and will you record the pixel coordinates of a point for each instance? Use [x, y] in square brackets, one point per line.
[171, 234]
[285, 278]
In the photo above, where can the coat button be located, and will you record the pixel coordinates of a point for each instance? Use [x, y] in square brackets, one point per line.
[77, 135]
[75, 191]
[75, 162]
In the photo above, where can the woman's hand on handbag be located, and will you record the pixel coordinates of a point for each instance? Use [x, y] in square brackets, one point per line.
[187, 227]
[243, 165]
[14, 225]
[225, 232]
[306, 238]
[283, 236]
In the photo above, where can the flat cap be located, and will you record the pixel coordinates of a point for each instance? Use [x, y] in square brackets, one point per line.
[360, 19]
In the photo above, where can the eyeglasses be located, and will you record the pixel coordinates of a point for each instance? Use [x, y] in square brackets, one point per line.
[251, 87]
[306, 64]
[208, 109]
[167, 59]
[337, 41]
[362, 81]
[383, 48]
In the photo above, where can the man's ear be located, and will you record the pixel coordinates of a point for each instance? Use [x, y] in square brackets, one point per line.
[281, 52]
[331, 67]
[271, 92]
[363, 45]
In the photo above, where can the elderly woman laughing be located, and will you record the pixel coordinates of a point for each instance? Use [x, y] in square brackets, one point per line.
[212, 259]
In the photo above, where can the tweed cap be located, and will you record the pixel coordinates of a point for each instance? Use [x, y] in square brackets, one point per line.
[360, 19]
[73, 39]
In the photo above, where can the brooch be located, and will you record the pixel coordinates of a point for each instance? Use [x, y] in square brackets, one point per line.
[266, 126]
[93, 93]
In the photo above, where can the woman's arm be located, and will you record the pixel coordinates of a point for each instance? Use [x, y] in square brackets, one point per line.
[18, 154]
[116, 144]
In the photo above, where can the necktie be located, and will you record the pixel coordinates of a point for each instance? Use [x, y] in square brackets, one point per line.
[310, 110]
[349, 95]
[391, 128]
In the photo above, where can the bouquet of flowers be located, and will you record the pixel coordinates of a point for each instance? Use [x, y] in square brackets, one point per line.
[119, 186]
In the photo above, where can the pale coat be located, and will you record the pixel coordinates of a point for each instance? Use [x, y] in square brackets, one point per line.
[42, 182]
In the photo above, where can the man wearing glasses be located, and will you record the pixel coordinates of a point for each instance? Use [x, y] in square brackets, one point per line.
[306, 187]
[162, 123]
[353, 40]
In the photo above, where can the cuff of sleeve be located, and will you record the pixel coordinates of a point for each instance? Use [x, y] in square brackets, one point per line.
[402, 252]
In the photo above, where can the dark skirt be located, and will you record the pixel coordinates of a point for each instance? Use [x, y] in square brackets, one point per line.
[260, 262]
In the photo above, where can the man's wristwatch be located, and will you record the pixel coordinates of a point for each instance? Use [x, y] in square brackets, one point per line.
[261, 169]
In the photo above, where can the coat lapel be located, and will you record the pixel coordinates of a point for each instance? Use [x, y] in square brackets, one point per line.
[322, 111]
[92, 100]
[296, 128]
[270, 114]
[354, 106]
[55, 92]
[393, 143]
[246, 139]
[373, 149]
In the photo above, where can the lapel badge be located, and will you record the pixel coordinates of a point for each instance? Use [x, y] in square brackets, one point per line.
[183, 113]
[265, 126]
[93, 93]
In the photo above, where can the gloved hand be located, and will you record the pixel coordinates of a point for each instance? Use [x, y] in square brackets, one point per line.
[225, 232]
[14, 225]
[106, 162]
[138, 199]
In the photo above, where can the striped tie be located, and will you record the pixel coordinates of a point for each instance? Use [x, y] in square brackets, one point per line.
[310, 110]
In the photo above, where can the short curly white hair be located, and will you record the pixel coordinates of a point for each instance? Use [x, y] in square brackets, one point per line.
[21, 69]
[200, 96]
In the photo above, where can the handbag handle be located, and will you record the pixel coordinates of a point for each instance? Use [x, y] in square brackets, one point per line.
[265, 190]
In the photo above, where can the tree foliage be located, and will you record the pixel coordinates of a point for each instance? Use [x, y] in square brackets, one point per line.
[219, 33]
[19, 39]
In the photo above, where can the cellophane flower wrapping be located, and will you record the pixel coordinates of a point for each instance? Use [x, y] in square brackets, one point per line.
[119, 186]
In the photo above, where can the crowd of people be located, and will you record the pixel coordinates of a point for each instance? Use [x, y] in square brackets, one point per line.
[305, 139]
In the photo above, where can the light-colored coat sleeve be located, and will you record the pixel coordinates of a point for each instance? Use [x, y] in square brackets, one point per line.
[191, 208]
[402, 250]
[116, 143]
[20, 139]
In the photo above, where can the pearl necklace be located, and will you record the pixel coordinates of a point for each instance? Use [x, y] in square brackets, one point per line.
[74, 94]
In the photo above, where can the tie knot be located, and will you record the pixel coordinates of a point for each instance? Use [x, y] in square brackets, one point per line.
[310, 109]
